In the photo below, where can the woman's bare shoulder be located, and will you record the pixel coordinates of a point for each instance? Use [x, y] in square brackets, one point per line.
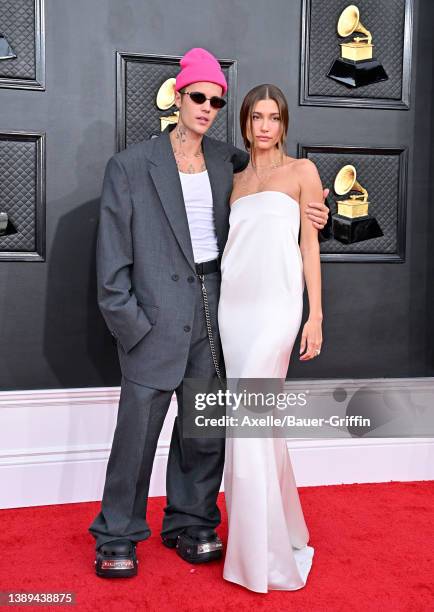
[305, 171]
[297, 165]
[306, 167]
[297, 174]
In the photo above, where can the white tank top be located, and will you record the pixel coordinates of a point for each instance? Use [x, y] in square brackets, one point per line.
[196, 189]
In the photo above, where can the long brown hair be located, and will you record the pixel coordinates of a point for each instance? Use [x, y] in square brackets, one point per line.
[263, 92]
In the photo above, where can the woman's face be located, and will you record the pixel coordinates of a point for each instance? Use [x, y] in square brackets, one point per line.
[198, 117]
[266, 125]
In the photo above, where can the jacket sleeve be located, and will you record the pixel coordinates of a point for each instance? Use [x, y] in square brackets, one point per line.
[326, 232]
[238, 158]
[126, 321]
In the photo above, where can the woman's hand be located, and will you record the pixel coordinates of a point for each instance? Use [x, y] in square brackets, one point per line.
[318, 212]
[311, 338]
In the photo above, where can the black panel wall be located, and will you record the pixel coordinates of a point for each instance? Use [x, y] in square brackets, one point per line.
[378, 316]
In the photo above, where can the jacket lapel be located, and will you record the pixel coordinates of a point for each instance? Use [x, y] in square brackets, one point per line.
[164, 173]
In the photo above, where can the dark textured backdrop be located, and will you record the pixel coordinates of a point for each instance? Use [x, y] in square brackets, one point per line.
[17, 23]
[21, 22]
[378, 317]
[385, 21]
[381, 172]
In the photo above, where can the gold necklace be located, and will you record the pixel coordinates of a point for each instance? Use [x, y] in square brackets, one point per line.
[274, 164]
[263, 176]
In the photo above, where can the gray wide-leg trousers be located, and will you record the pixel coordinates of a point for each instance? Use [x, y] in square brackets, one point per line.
[195, 465]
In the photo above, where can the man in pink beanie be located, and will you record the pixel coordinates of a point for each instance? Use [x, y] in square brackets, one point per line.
[163, 226]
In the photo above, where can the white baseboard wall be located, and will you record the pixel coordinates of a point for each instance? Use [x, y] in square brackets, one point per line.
[54, 446]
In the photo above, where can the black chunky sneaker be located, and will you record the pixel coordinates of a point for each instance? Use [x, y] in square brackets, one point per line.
[169, 541]
[116, 559]
[198, 544]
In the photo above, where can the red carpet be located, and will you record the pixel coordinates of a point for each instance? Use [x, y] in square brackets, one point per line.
[374, 550]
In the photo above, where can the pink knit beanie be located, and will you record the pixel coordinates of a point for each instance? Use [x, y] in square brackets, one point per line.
[199, 65]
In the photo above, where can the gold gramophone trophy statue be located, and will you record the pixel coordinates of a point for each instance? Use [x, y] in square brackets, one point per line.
[352, 222]
[166, 100]
[356, 66]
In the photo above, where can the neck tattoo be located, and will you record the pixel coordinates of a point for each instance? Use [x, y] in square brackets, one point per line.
[189, 163]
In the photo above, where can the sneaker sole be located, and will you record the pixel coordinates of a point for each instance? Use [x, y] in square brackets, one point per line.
[215, 555]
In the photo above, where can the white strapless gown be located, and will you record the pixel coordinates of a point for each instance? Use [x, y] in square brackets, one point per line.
[260, 312]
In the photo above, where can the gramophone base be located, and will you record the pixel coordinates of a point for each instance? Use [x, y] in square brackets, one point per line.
[8, 230]
[355, 74]
[348, 230]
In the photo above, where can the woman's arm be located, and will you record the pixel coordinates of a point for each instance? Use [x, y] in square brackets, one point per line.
[310, 191]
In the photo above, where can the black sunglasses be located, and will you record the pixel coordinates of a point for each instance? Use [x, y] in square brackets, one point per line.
[199, 98]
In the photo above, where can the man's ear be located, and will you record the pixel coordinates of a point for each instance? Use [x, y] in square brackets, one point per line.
[178, 99]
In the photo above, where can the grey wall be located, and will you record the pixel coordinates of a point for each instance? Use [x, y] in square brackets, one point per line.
[377, 316]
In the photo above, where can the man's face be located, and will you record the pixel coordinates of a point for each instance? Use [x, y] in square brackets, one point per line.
[198, 117]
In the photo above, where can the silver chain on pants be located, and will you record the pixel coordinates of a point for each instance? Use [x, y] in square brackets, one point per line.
[208, 326]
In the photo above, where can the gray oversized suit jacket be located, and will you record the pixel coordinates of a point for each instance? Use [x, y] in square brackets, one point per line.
[144, 244]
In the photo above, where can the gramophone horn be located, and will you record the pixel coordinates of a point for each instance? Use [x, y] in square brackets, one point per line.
[3, 222]
[345, 181]
[349, 22]
[166, 94]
